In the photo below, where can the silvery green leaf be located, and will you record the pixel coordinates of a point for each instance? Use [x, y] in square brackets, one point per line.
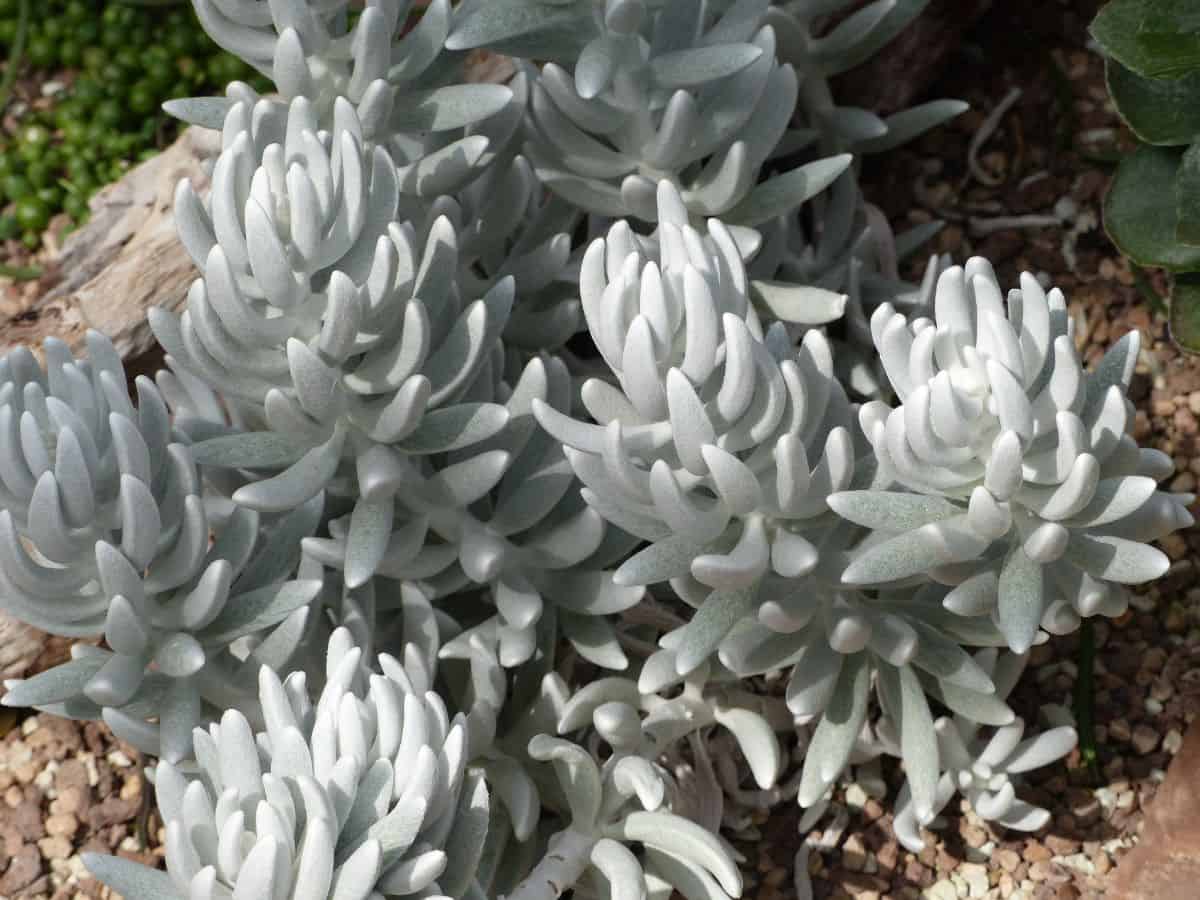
[834, 738]
[455, 427]
[577, 713]
[1021, 600]
[444, 171]
[891, 511]
[918, 741]
[620, 868]
[1041, 750]
[854, 29]
[696, 641]
[757, 741]
[944, 658]
[782, 194]
[578, 776]
[258, 449]
[59, 683]
[259, 609]
[355, 878]
[1117, 559]
[505, 21]
[685, 876]
[595, 640]
[517, 791]
[207, 112]
[367, 540]
[595, 66]
[698, 65]
[895, 19]
[299, 482]
[660, 561]
[133, 880]
[986, 709]
[449, 108]
[799, 304]
[907, 124]
[595, 196]
[686, 840]
[465, 845]
[899, 557]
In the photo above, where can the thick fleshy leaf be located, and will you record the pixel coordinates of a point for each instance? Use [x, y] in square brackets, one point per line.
[685, 839]
[1139, 210]
[798, 303]
[837, 731]
[701, 65]
[781, 195]
[1155, 38]
[1160, 111]
[207, 112]
[890, 510]
[130, 879]
[1185, 311]
[252, 450]
[1021, 600]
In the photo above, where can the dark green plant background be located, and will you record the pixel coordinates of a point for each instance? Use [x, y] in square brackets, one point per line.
[114, 64]
[1152, 211]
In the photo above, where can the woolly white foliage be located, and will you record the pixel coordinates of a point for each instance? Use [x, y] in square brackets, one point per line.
[364, 442]
[1031, 497]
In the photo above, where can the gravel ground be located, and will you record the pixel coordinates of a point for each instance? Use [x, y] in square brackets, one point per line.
[69, 787]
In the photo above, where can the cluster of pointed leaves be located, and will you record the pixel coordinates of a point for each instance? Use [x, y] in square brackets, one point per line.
[80, 464]
[685, 91]
[364, 793]
[403, 85]
[984, 767]
[1022, 487]
[720, 440]
[105, 533]
[522, 531]
[363, 369]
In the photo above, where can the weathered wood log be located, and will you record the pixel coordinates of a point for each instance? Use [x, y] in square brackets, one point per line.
[123, 261]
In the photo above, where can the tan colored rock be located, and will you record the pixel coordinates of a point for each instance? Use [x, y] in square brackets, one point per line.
[1165, 865]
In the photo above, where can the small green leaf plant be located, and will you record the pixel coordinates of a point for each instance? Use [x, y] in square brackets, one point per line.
[508, 431]
[1152, 211]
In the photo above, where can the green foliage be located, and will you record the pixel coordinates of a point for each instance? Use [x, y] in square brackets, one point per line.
[119, 64]
[1152, 212]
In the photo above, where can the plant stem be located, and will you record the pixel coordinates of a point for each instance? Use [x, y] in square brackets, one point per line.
[1085, 700]
[563, 865]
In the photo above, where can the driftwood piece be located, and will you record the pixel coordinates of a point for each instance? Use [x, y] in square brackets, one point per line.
[1165, 865]
[125, 260]
[908, 66]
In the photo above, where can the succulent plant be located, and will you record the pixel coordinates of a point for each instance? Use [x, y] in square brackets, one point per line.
[82, 464]
[364, 792]
[401, 84]
[384, 457]
[983, 768]
[174, 650]
[1024, 490]
[721, 441]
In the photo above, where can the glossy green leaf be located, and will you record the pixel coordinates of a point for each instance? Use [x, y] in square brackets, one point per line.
[1139, 211]
[1185, 311]
[1162, 111]
[1155, 38]
[1187, 198]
